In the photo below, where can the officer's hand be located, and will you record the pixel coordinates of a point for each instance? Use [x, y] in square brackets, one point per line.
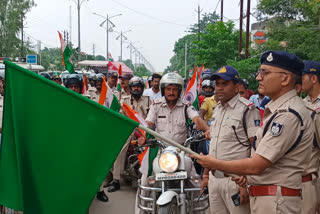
[244, 195]
[241, 180]
[204, 182]
[206, 161]
[207, 134]
[141, 140]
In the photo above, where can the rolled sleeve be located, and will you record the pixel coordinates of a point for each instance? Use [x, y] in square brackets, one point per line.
[191, 112]
[275, 147]
[253, 120]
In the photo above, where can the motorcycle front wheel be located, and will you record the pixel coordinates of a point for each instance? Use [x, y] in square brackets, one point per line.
[170, 208]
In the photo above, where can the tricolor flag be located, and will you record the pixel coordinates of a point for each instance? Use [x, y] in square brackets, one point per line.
[66, 53]
[107, 98]
[110, 58]
[191, 94]
[119, 79]
[146, 158]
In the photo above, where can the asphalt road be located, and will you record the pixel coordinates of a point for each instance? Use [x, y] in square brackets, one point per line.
[120, 202]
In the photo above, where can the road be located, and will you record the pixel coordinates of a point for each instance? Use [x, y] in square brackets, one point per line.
[122, 201]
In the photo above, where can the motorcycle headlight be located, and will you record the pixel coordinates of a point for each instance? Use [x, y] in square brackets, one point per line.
[169, 161]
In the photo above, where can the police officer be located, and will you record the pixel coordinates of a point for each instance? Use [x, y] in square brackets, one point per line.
[95, 95]
[57, 79]
[170, 113]
[112, 78]
[311, 86]
[235, 121]
[281, 149]
[125, 91]
[140, 104]
[75, 83]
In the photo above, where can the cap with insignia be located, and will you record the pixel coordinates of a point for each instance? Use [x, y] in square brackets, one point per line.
[284, 60]
[112, 74]
[311, 67]
[226, 73]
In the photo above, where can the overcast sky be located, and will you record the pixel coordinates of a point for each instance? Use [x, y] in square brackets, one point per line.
[155, 25]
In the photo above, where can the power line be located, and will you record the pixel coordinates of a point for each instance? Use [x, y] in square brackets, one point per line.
[151, 17]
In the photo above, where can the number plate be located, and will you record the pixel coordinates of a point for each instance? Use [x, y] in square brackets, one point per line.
[171, 176]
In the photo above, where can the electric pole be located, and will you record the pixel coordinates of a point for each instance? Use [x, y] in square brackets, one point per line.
[240, 27]
[222, 10]
[248, 30]
[70, 23]
[22, 36]
[121, 36]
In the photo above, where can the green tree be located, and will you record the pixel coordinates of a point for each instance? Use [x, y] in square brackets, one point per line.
[11, 14]
[142, 71]
[219, 44]
[207, 18]
[100, 58]
[129, 63]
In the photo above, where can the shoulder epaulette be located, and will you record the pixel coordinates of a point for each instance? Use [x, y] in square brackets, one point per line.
[248, 103]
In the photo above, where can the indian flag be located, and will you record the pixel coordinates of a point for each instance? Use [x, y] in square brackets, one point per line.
[110, 58]
[66, 53]
[107, 98]
[191, 94]
[146, 158]
[119, 80]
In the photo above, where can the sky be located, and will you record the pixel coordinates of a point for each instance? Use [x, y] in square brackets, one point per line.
[154, 26]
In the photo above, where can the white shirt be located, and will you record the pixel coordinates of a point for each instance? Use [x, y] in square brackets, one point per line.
[149, 92]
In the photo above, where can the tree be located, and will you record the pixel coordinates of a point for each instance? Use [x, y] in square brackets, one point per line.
[207, 18]
[142, 71]
[100, 58]
[11, 14]
[129, 63]
[219, 44]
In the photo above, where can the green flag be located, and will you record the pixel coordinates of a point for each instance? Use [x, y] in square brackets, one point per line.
[57, 146]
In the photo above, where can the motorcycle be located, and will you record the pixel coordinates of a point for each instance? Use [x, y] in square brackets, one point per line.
[174, 186]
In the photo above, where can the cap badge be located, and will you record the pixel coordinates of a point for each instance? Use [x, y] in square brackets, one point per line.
[270, 58]
[313, 69]
[222, 70]
[236, 76]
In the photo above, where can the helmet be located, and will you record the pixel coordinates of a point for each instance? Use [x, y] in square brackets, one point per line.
[99, 77]
[171, 79]
[93, 77]
[74, 79]
[206, 76]
[207, 83]
[45, 75]
[136, 81]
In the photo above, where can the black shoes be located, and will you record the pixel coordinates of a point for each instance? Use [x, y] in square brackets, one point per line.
[101, 196]
[114, 186]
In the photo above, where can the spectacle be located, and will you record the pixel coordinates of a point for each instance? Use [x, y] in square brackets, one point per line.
[263, 72]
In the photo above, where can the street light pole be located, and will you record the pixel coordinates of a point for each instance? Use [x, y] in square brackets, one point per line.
[120, 36]
[107, 19]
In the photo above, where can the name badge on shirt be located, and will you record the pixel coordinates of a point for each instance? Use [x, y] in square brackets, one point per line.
[161, 116]
[276, 129]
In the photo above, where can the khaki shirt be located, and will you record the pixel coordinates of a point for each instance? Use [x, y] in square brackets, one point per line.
[313, 165]
[95, 96]
[141, 105]
[286, 169]
[171, 122]
[224, 144]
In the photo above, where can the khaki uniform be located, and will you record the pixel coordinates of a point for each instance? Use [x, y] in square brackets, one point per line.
[226, 130]
[171, 123]
[282, 129]
[310, 189]
[141, 106]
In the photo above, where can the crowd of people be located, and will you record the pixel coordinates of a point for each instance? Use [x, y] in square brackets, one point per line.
[261, 147]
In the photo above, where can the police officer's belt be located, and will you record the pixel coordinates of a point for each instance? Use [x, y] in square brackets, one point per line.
[271, 190]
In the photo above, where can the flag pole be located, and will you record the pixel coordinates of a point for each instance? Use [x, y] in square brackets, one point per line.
[167, 140]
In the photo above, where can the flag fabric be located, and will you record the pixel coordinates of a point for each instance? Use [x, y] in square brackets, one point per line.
[107, 98]
[84, 88]
[49, 161]
[66, 53]
[191, 93]
[110, 58]
[146, 158]
[112, 67]
[199, 71]
[119, 79]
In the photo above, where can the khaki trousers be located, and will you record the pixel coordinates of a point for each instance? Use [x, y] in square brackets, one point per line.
[119, 164]
[309, 197]
[220, 192]
[276, 204]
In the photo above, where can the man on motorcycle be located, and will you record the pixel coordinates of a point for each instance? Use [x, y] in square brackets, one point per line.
[170, 113]
[74, 83]
[140, 104]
